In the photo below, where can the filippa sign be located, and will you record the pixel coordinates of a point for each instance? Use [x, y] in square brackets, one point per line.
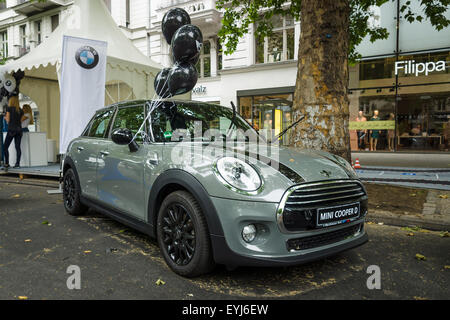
[411, 67]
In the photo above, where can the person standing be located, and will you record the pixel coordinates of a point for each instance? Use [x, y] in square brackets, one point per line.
[391, 133]
[361, 133]
[375, 134]
[27, 118]
[14, 119]
[3, 128]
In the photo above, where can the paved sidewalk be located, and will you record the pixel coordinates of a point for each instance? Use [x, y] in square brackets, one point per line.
[435, 214]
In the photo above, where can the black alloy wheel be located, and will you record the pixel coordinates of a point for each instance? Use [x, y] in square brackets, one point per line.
[71, 194]
[183, 236]
[69, 191]
[178, 234]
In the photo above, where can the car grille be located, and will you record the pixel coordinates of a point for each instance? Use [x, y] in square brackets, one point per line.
[322, 239]
[300, 208]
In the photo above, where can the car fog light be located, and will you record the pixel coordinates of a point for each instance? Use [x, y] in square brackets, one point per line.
[249, 233]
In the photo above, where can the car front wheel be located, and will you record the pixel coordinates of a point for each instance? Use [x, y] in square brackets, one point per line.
[71, 194]
[183, 235]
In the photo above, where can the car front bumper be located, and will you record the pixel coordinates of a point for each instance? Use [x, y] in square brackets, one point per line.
[271, 248]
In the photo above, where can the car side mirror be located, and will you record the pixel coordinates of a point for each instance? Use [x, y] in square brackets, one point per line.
[124, 137]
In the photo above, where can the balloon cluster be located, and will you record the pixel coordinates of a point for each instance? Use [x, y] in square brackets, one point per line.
[186, 42]
[9, 85]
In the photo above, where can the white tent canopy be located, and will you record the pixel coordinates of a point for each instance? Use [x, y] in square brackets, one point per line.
[129, 73]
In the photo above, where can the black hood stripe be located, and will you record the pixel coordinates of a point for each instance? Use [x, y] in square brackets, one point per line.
[284, 170]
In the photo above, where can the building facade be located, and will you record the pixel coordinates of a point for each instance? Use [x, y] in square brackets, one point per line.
[25, 24]
[404, 80]
[399, 91]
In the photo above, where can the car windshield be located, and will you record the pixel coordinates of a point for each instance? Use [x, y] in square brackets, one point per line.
[200, 122]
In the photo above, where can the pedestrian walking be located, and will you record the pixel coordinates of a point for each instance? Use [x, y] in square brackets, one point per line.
[14, 119]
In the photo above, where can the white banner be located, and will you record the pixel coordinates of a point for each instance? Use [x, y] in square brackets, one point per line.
[82, 85]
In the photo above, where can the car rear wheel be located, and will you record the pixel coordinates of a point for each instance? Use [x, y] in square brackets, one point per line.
[71, 194]
[183, 235]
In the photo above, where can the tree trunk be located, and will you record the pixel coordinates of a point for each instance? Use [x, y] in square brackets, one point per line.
[322, 78]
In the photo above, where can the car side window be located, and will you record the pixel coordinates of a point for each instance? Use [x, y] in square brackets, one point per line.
[130, 118]
[100, 124]
[162, 130]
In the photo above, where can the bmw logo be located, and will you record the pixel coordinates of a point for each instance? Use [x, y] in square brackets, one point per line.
[87, 57]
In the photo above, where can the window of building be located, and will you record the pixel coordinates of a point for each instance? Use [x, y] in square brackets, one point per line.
[2, 5]
[4, 44]
[204, 63]
[38, 31]
[219, 55]
[280, 46]
[23, 36]
[55, 22]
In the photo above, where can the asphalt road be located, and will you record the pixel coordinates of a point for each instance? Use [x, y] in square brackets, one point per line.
[39, 241]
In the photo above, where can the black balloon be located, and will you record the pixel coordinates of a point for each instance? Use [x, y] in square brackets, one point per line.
[161, 83]
[186, 44]
[172, 21]
[182, 78]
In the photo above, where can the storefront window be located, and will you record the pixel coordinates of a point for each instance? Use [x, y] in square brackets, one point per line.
[375, 127]
[377, 69]
[269, 114]
[424, 121]
[245, 105]
[411, 94]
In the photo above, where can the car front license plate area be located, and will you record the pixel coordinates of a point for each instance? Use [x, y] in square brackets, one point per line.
[338, 214]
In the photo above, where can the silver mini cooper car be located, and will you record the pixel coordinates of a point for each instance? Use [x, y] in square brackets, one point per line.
[211, 190]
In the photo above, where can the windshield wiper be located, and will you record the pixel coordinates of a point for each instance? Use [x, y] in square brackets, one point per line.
[233, 119]
[288, 128]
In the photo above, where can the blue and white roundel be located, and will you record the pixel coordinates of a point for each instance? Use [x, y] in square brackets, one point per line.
[87, 57]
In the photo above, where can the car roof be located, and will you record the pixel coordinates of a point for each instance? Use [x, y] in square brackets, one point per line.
[135, 102]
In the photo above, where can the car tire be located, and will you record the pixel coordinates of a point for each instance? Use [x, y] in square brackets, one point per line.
[71, 194]
[181, 227]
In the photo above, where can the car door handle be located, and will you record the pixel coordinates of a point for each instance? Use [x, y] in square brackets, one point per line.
[104, 153]
[80, 149]
[154, 160]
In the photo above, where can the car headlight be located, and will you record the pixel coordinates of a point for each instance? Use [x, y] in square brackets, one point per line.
[238, 175]
[344, 163]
